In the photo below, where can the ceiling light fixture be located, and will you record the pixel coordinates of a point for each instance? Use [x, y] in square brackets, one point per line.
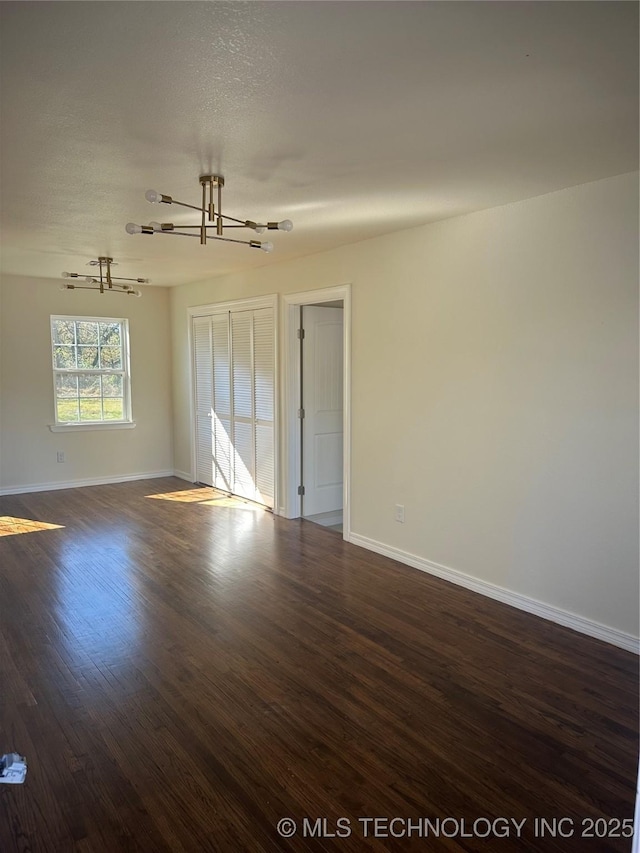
[212, 218]
[106, 283]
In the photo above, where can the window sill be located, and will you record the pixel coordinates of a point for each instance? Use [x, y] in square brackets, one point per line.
[90, 427]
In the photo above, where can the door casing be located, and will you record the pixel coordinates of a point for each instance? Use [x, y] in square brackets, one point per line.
[321, 349]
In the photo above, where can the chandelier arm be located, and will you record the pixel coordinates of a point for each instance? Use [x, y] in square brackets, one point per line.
[256, 244]
[232, 240]
[100, 289]
[184, 204]
[208, 226]
[243, 222]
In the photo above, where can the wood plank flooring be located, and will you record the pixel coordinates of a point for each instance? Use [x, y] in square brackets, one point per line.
[183, 671]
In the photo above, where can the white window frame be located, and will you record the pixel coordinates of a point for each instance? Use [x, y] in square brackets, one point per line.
[81, 426]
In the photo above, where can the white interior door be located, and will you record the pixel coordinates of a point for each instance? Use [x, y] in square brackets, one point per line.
[322, 402]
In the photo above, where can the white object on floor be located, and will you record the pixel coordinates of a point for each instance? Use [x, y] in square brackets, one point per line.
[13, 768]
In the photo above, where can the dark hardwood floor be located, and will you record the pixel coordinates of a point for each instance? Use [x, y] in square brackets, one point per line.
[183, 672]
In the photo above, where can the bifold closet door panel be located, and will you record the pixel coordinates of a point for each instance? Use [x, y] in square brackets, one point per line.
[204, 425]
[264, 403]
[223, 448]
[243, 415]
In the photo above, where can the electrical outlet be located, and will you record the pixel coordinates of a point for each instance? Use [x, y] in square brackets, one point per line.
[400, 513]
[61, 456]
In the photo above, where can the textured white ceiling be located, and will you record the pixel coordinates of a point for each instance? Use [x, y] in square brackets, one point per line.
[353, 119]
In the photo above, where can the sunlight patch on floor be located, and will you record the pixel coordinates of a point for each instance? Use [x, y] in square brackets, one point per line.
[209, 497]
[187, 496]
[10, 525]
[236, 503]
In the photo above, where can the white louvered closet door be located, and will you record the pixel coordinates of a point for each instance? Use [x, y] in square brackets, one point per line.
[202, 358]
[234, 356]
[223, 448]
[242, 378]
[264, 402]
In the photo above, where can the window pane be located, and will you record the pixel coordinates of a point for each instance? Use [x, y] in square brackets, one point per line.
[90, 410]
[66, 386]
[67, 410]
[87, 357]
[64, 332]
[112, 386]
[65, 356]
[92, 385]
[113, 409]
[87, 333]
[110, 334]
[89, 386]
[110, 358]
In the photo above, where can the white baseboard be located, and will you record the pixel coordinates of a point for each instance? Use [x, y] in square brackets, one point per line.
[182, 475]
[91, 481]
[522, 602]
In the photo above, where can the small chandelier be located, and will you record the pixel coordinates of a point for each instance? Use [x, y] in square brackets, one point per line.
[106, 283]
[211, 218]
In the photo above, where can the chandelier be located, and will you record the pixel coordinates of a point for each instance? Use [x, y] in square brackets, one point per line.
[211, 218]
[104, 282]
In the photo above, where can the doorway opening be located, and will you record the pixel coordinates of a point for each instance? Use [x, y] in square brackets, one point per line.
[321, 412]
[317, 407]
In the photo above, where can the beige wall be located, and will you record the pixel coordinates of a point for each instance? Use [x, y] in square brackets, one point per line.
[27, 446]
[495, 391]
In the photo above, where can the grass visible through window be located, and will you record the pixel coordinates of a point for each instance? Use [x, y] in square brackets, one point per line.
[91, 410]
